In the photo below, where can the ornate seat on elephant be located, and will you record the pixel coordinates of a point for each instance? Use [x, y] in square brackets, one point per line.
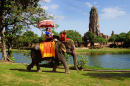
[47, 49]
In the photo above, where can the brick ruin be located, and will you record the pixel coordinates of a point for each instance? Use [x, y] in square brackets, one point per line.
[94, 23]
[95, 28]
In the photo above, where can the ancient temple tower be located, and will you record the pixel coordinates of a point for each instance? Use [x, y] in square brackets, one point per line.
[112, 33]
[93, 21]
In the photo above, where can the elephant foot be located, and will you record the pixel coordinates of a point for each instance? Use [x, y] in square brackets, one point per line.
[67, 72]
[28, 67]
[39, 71]
[54, 71]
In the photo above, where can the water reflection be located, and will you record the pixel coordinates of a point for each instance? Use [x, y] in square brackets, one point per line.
[118, 61]
[20, 58]
[111, 60]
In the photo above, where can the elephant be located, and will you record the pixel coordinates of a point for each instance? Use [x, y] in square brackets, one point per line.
[60, 49]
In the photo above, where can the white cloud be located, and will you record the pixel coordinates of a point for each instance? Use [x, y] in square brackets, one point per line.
[56, 16]
[88, 4]
[51, 14]
[47, 1]
[112, 12]
[85, 13]
[91, 4]
[94, 2]
[54, 7]
[45, 7]
[59, 17]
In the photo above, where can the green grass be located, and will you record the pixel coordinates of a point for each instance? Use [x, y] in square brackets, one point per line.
[101, 68]
[104, 50]
[16, 75]
[94, 68]
[17, 50]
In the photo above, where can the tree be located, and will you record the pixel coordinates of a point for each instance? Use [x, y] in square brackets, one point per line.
[100, 40]
[42, 38]
[29, 38]
[114, 38]
[122, 37]
[25, 12]
[55, 33]
[6, 9]
[89, 36]
[127, 39]
[10, 35]
[16, 42]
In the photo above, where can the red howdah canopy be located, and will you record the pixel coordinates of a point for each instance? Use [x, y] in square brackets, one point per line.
[46, 23]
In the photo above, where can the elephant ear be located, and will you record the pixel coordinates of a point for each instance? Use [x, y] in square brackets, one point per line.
[69, 43]
[62, 46]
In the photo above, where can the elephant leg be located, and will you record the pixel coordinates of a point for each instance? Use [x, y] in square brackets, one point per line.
[38, 67]
[63, 61]
[31, 65]
[55, 65]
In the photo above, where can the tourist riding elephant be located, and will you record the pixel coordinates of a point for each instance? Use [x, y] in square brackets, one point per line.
[60, 49]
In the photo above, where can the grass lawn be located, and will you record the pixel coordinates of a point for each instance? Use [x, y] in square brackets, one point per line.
[104, 50]
[85, 50]
[12, 74]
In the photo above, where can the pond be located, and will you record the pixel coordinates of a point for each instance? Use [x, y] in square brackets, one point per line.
[118, 61]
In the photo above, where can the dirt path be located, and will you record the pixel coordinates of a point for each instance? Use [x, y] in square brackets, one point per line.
[82, 48]
[107, 70]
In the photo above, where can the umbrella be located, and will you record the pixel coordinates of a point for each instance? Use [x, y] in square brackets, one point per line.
[46, 23]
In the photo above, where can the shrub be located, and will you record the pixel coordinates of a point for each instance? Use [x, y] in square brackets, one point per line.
[82, 61]
[67, 58]
[98, 64]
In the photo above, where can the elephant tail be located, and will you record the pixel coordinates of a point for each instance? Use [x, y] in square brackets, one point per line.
[36, 47]
[26, 48]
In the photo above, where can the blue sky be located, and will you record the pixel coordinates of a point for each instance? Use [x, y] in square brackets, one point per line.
[114, 15]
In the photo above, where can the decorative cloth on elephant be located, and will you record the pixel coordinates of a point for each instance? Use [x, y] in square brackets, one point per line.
[47, 49]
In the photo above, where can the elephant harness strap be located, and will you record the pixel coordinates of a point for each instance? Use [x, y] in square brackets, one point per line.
[47, 49]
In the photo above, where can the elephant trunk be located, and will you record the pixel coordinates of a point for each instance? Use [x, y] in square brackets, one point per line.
[74, 58]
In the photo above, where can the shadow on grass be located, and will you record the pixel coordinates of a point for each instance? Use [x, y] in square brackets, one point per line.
[111, 76]
[24, 70]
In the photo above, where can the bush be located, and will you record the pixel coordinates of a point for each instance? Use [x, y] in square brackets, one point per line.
[82, 61]
[67, 58]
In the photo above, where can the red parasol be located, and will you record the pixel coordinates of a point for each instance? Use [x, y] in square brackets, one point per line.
[46, 23]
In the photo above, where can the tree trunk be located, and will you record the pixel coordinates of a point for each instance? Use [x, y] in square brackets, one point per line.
[9, 50]
[4, 55]
[3, 49]
[100, 45]
[92, 44]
